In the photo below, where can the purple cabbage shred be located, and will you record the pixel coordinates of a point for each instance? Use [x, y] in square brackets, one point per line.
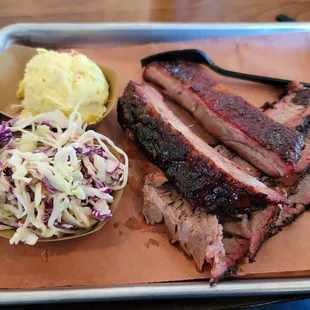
[98, 216]
[51, 189]
[49, 125]
[48, 210]
[98, 184]
[108, 190]
[65, 226]
[90, 150]
[13, 225]
[42, 150]
[6, 135]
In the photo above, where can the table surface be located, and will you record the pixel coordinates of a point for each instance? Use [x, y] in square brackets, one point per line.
[13, 11]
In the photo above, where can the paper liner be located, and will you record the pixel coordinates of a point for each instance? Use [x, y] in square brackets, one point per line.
[127, 250]
[13, 62]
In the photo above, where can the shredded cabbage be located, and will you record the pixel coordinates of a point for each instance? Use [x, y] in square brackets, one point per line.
[56, 178]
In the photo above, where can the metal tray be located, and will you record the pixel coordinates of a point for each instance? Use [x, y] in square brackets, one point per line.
[74, 35]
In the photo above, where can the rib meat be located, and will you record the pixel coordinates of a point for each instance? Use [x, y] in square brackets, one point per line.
[268, 145]
[238, 160]
[202, 176]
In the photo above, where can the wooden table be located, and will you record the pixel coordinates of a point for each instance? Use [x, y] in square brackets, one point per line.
[14, 11]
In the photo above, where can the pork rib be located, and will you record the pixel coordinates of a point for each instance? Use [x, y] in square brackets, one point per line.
[238, 160]
[268, 145]
[202, 176]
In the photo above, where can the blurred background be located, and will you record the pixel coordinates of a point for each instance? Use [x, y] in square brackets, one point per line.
[13, 11]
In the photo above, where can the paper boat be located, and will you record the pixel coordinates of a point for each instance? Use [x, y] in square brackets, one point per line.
[13, 62]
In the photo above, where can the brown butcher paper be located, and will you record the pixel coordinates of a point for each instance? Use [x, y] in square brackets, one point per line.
[126, 250]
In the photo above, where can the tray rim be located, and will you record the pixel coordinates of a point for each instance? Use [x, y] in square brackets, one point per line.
[21, 30]
[181, 290]
[187, 289]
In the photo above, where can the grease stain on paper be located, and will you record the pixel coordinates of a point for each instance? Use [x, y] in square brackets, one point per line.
[152, 242]
[116, 224]
[133, 224]
[44, 256]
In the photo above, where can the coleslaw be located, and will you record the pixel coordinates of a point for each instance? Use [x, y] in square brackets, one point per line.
[56, 178]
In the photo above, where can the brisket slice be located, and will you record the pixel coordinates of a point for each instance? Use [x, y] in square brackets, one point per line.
[293, 110]
[237, 242]
[300, 201]
[255, 228]
[202, 176]
[268, 145]
[304, 160]
[262, 224]
[236, 249]
[198, 233]
[238, 226]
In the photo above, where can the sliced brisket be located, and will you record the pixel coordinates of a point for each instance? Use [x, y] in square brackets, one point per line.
[293, 110]
[200, 174]
[197, 233]
[239, 226]
[255, 228]
[236, 249]
[268, 145]
[300, 201]
[262, 224]
[304, 160]
[237, 242]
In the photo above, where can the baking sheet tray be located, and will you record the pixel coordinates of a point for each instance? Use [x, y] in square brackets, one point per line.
[75, 35]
